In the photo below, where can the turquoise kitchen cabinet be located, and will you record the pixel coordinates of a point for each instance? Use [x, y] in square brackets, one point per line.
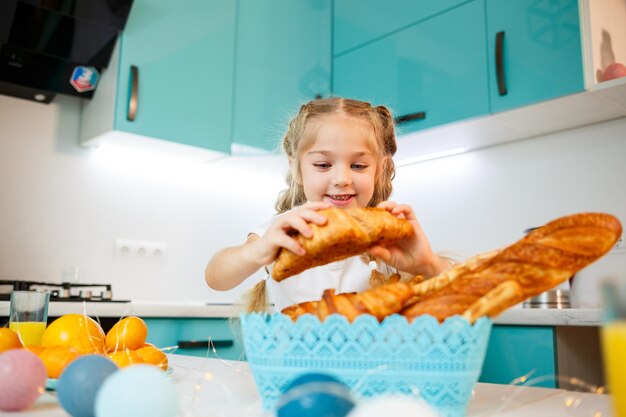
[357, 22]
[173, 77]
[431, 73]
[535, 51]
[192, 336]
[283, 58]
[517, 351]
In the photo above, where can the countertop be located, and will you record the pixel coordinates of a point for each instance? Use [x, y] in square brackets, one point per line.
[228, 386]
[513, 316]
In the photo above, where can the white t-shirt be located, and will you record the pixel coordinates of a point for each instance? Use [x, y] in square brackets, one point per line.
[348, 275]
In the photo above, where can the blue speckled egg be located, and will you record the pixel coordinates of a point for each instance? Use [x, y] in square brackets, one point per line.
[80, 381]
[315, 395]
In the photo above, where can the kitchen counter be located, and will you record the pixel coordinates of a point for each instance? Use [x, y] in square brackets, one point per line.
[513, 316]
[228, 386]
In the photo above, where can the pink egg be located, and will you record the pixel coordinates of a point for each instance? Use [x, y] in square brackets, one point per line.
[22, 379]
[614, 70]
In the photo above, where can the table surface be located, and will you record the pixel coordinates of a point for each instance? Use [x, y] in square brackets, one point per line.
[178, 309]
[206, 383]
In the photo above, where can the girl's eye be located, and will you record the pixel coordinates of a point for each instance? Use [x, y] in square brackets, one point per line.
[359, 167]
[322, 165]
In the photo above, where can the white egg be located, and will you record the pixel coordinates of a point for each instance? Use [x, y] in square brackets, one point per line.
[393, 405]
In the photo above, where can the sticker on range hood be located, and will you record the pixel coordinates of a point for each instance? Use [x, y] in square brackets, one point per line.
[84, 78]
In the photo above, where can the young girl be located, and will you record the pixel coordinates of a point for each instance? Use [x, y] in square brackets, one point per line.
[340, 154]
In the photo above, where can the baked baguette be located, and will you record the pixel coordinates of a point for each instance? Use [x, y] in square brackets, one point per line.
[540, 261]
[347, 232]
[486, 284]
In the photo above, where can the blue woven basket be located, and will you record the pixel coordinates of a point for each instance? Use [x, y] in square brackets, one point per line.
[441, 362]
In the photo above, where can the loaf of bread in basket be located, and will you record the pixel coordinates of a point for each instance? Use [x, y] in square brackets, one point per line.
[487, 284]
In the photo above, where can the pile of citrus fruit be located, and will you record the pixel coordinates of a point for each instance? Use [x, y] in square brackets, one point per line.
[73, 335]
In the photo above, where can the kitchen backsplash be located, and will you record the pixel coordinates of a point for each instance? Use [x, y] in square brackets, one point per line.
[63, 206]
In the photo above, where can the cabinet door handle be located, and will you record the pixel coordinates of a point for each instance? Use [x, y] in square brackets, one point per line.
[410, 117]
[203, 344]
[500, 63]
[133, 97]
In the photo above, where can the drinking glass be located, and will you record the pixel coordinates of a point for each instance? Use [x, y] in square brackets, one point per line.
[28, 316]
[614, 342]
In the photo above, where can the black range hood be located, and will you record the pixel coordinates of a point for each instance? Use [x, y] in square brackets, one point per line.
[57, 46]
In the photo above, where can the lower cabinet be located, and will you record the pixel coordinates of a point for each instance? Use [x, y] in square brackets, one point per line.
[198, 336]
[521, 351]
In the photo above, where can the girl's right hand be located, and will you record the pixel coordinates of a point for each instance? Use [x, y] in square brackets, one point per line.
[281, 231]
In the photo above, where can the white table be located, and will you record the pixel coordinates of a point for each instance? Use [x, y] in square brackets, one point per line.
[228, 386]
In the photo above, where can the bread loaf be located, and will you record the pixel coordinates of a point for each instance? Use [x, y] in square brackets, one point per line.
[540, 261]
[487, 284]
[347, 232]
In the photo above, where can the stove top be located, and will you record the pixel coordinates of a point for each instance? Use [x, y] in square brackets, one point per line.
[64, 291]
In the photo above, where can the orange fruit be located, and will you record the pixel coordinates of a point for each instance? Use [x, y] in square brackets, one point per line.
[56, 358]
[80, 332]
[128, 333]
[125, 357]
[9, 339]
[153, 355]
[35, 349]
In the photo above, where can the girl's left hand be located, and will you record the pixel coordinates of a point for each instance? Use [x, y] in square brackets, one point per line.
[412, 254]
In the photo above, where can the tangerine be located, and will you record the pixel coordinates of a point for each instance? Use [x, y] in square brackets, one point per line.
[35, 349]
[153, 355]
[125, 357]
[56, 358]
[9, 339]
[128, 333]
[78, 331]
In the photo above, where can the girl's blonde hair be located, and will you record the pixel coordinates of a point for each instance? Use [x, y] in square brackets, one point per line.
[300, 135]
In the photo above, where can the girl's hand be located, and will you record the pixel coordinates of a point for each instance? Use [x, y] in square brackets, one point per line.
[412, 254]
[280, 232]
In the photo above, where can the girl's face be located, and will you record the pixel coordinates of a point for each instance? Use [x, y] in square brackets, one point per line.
[340, 167]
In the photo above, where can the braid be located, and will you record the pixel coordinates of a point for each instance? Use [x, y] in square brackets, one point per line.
[387, 138]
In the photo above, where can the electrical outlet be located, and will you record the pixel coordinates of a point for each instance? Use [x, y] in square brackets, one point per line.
[620, 243]
[140, 250]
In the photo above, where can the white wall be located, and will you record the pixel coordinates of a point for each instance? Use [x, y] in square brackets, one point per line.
[485, 199]
[63, 206]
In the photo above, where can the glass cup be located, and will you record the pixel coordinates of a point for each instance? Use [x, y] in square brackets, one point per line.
[29, 314]
[613, 335]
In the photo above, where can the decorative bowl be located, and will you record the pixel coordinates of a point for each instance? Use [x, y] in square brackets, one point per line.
[440, 362]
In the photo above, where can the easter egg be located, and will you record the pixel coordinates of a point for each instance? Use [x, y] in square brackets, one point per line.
[80, 382]
[22, 379]
[614, 70]
[315, 394]
[393, 405]
[137, 391]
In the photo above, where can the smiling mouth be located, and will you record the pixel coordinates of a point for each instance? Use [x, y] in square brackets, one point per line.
[341, 197]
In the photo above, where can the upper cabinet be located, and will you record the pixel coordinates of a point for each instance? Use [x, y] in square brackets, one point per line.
[535, 51]
[172, 79]
[357, 22]
[467, 74]
[283, 59]
[430, 73]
